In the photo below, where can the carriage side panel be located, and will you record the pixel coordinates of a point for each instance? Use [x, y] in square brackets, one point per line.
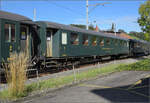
[56, 44]
[78, 49]
[0, 42]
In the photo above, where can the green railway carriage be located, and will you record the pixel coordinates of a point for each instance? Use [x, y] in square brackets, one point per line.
[16, 34]
[63, 41]
[139, 47]
[58, 45]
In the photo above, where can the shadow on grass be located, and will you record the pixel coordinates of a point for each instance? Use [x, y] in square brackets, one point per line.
[139, 93]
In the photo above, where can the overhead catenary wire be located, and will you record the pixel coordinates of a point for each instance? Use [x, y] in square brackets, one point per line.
[69, 11]
[87, 11]
[72, 11]
[75, 0]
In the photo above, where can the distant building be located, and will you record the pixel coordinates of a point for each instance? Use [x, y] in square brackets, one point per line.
[112, 32]
[97, 29]
[124, 35]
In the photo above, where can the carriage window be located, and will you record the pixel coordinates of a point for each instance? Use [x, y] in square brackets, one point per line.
[48, 34]
[127, 44]
[124, 44]
[116, 42]
[113, 41]
[107, 41]
[7, 37]
[24, 31]
[140, 45]
[10, 32]
[85, 40]
[120, 42]
[74, 39]
[135, 45]
[94, 41]
[64, 38]
[101, 42]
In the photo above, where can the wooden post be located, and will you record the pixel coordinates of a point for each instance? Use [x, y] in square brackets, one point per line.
[114, 61]
[37, 74]
[75, 79]
[0, 76]
[98, 65]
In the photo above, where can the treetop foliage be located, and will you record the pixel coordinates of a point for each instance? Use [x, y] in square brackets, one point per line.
[91, 27]
[144, 20]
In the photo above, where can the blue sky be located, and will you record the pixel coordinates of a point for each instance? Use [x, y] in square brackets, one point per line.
[123, 13]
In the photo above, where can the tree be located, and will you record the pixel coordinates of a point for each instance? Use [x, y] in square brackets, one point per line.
[139, 35]
[144, 20]
[91, 27]
[121, 30]
[79, 26]
[113, 27]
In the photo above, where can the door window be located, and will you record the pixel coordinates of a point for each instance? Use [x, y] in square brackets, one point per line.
[48, 35]
[10, 32]
[24, 31]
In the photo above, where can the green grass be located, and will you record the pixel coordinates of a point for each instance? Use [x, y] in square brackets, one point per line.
[143, 65]
[92, 73]
[61, 81]
[134, 37]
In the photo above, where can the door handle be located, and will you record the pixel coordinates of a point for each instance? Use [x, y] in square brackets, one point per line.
[10, 48]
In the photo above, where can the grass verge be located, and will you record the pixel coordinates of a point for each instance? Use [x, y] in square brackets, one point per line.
[143, 65]
[92, 73]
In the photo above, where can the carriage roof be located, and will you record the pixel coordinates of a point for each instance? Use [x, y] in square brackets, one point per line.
[76, 29]
[15, 17]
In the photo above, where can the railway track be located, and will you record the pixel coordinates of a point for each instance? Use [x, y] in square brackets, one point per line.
[81, 68]
[35, 72]
[78, 66]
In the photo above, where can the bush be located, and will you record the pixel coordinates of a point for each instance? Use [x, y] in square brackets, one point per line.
[143, 65]
[16, 74]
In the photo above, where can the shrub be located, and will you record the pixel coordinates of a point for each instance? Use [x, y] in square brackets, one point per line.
[143, 65]
[16, 74]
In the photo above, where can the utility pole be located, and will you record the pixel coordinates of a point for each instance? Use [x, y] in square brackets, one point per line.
[87, 14]
[87, 11]
[115, 30]
[34, 13]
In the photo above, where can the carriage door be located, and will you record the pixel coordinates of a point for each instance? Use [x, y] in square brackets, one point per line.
[24, 38]
[9, 38]
[49, 42]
